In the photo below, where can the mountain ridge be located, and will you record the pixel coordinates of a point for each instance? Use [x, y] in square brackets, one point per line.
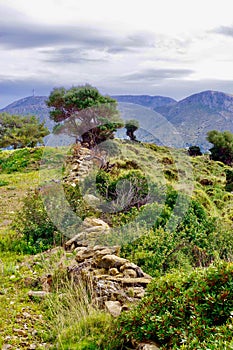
[192, 116]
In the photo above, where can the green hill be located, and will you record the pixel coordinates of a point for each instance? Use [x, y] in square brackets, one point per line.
[172, 216]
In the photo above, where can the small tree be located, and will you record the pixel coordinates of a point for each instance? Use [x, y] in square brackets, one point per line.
[194, 151]
[84, 113]
[131, 126]
[18, 132]
[223, 146]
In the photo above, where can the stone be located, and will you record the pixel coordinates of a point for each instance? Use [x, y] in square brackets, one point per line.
[133, 266]
[21, 332]
[91, 200]
[83, 253]
[139, 292]
[129, 273]
[91, 222]
[6, 347]
[141, 281]
[113, 271]
[147, 346]
[111, 260]
[38, 294]
[113, 307]
[30, 282]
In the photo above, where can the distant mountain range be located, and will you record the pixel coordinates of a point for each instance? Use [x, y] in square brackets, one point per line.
[162, 119]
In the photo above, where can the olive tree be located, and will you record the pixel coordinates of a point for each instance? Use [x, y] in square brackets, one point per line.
[223, 146]
[84, 113]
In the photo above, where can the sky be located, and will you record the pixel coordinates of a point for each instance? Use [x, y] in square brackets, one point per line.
[154, 47]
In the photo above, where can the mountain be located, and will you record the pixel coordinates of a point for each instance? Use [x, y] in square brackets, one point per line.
[146, 100]
[154, 127]
[31, 105]
[162, 119]
[195, 115]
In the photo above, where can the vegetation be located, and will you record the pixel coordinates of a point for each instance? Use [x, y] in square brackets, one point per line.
[131, 126]
[20, 132]
[223, 146]
[182, 237]
[87, 115]
[184, 311]
[194, 151]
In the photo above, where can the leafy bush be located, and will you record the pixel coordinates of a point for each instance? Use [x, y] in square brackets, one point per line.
[229, 180]
[34, 227]
[174, 241]
[12, 161]
[184, 311]
[3, 183]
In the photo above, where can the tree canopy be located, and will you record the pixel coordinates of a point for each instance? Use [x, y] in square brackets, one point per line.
[84, 113]
[18, 132]
[223, 146]
[131, 126]
[194, 151]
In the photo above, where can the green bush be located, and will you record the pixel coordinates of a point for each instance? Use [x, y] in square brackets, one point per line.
[184, 311]
[18, 160]
[35, 229]
[178, 238]
[3, 183]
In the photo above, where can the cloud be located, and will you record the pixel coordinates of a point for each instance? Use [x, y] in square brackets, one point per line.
[72, 55]
[224, 30]
[22, 87]
[152, 74]
[21, 33]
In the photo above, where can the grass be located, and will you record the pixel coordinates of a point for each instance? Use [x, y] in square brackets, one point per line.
[22, 322]
[62, 322]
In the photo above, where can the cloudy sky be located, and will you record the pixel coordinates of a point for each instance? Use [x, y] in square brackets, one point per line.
[156, 47]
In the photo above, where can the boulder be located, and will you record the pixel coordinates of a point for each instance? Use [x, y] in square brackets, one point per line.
[92, 222]
[111, 260]
[113, 271]
[147, 346]
[37, 294]
[130, 273]
[113, 307]
[91, 200]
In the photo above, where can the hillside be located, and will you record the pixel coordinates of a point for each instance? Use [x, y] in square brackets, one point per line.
[179, 124]
[195, 115]
[178, 221]
[152, 102]
[31, 105]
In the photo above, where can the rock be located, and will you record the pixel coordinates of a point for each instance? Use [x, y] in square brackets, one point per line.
[113, 271]
[21, 332]
[133, 266]
[47, 283]
[6, 347]
[38, 294]
[91, 222]
[31, 282]
[141, 281]
[112, 260]
[147, 346]
[139, 292]
[91, 200]
[90, 231]
[83, 253]
[129, 273]
[113, 307]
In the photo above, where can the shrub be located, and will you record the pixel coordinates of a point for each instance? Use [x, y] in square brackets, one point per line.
[34, 226]
[184, 310]
[20, 159]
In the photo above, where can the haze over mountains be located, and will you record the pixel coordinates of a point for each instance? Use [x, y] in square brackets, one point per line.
[190, 118]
